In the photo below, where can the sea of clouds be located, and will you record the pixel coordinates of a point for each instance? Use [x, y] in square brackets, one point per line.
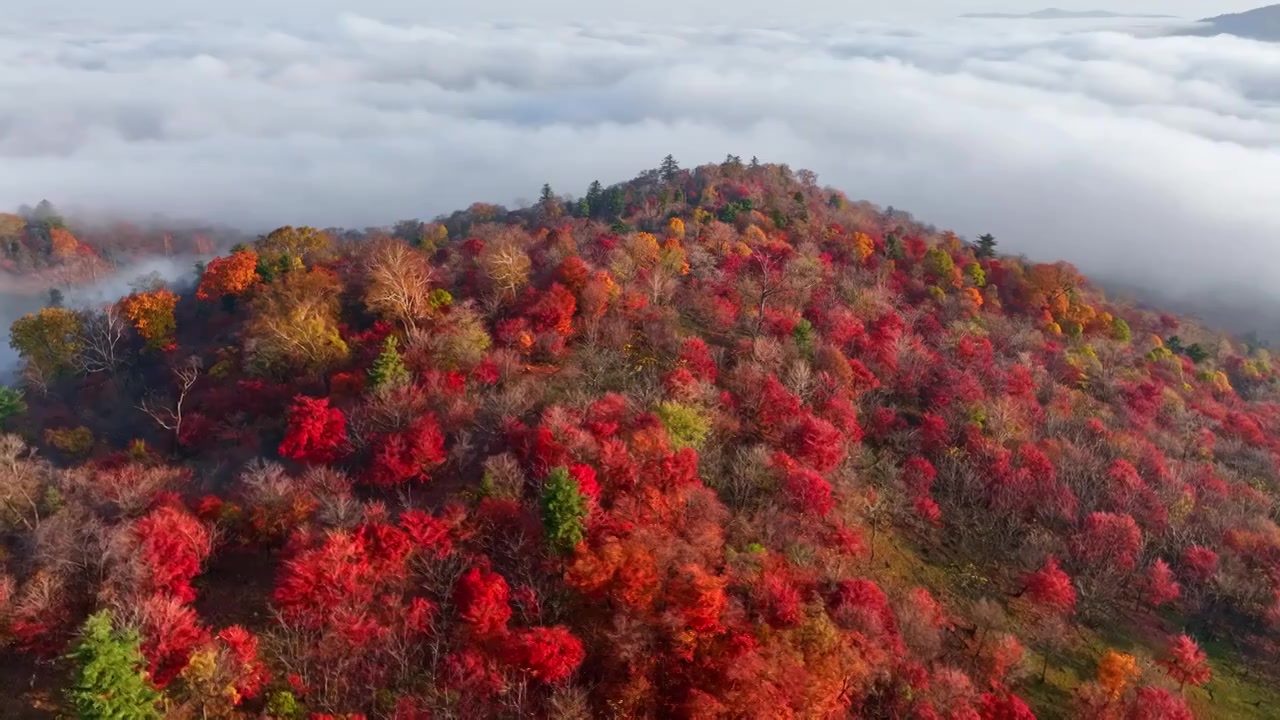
[1147, 158]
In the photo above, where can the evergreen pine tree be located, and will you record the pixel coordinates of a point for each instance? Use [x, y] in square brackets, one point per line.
[669, 168]
[986, 246]
[563, 510]
[615, 202]
[389, 369]
[109, 681]
[893, 246]
[595, 199]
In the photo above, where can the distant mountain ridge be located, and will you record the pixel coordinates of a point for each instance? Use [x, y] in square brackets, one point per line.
[1060, 14]
[1259, 24]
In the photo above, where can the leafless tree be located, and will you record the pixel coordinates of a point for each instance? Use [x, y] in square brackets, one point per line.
[101, 339]
[22, 482]
[399, 282]
[167, 411]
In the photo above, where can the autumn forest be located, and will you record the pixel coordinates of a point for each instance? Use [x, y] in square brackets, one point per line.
[711, 443]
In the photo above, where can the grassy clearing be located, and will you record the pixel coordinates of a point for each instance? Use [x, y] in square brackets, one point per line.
[1236, 691]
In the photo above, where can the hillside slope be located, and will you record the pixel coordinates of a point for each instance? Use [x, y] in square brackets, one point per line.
[710, 443]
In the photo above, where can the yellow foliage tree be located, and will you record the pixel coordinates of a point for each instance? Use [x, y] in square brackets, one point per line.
[301, 243]
[294, 324]
[76, 442]
[675, 228]
[643, 248]
[47, 340]
[11, 226]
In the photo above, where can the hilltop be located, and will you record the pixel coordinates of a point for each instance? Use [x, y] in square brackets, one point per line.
[704, 443]
[1260, 24]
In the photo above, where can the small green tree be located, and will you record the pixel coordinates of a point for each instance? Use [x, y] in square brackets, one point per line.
[11, 403]
[803, 334]
[687, 426]
[977, 276]
[283, 704]
[986, 246]
[563, 511]
[109, 681]
[1120, 330]
[388, 370]
[1196, 352]
[939, 263]
[893, 247]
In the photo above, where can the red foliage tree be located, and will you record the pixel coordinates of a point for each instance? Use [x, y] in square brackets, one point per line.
[170, 632]
[482, 600]
[470, 672]
[1151, 703]
[429, 534]
[250, 673]
[1186, 662]
[1200, 563]
[1160, 586]
[1003, 706]
[862, 604]
[809, 492]
[1108, 539]
[1051, 588]
[407, 455]
[334, 575]
[554, 310]
[549, 654]
[918, 475]
[173, 544]
[574, 273]
[816, 443]
[316, 432]
[699, 598]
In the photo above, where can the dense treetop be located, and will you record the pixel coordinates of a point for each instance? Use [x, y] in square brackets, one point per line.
[712, 443]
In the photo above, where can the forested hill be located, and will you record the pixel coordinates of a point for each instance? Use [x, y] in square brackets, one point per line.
[713, 443]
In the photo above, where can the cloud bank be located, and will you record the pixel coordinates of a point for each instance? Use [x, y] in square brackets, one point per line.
[1150, 159]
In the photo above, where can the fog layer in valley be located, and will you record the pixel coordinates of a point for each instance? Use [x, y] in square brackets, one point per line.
[1144, 158]
[177, 272]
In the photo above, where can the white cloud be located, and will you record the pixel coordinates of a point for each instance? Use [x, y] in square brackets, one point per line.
[1153, 158]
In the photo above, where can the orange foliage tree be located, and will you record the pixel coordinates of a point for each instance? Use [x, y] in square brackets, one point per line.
[229, 276]
[152, 316]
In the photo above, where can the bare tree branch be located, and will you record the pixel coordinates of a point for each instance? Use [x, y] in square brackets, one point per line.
[167, 412]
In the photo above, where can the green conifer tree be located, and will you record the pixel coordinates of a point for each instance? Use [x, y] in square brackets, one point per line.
[563, 511]
[669, 168]
[804, 337]
[388, 370]
[986, 246]
[109, 682]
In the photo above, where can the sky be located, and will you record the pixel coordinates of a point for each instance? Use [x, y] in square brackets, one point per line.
[1142, 157]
